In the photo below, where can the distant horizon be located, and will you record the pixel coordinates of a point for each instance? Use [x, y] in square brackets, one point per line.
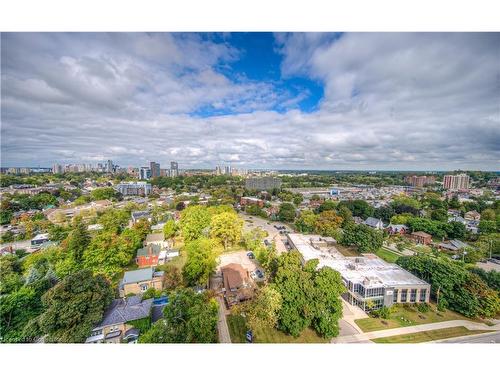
[289, 170]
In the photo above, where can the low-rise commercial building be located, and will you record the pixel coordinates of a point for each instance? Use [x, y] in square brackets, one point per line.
[370, 281]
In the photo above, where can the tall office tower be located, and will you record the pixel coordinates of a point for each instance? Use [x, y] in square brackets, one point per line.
[144, 173]
[109, 166]
[174, 169]
[155, 169]
[456, 182]
[227, 170]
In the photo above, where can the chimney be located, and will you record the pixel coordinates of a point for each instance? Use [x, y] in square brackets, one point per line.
[150, 251]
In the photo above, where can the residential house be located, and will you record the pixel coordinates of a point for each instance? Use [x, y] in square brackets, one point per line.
[421, 238]
[397, 229]
[453, 245]
[156, 239]
[458, 219]
[374, 223]
[141, 215]
[358, 220]
[138, 281]
[117, 323]
[472, 215]
[237, 284]
[152, 255]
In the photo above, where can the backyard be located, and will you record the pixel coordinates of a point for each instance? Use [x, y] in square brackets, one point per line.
[237, 330]
[407, 315]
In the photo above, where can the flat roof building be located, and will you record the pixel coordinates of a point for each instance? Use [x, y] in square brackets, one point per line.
[370, 281]
[262, 183]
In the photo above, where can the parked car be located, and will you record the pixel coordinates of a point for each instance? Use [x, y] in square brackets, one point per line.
[250, 255]
[266, 242]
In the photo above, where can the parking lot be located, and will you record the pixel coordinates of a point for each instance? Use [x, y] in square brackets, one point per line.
[239, 257]
[252, 222]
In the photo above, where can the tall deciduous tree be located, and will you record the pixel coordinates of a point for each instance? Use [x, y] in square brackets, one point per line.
[226, 227]
[74, 306]
[189, 317]
[194, 220]
[201, 261]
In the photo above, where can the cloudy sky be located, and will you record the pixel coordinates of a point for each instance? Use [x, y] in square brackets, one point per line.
[258, 100]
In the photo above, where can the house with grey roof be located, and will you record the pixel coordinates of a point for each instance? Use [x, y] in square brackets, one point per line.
[117, 325]
[374, 223]
[453, 245]
[141, 215]
[140, 280]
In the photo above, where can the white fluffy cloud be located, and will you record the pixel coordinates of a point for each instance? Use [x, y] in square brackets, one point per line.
[416, 101]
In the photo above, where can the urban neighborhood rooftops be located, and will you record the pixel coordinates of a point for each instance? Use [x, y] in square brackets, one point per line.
[367, 270]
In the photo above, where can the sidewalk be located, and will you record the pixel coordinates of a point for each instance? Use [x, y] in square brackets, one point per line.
[366, 337]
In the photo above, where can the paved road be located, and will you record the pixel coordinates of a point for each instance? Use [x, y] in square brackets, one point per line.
[17, 244]
[222, 327]
[486, 338]
[363, 337]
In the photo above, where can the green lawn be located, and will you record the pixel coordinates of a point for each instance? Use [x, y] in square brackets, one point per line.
[405, 315]
[436, 334]
[387, 255]
[237, 330]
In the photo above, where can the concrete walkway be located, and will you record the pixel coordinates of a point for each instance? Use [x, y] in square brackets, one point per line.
[367, 336]
[222, 327]
[350, 314]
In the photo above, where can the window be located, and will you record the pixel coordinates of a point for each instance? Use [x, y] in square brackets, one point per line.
[144, 287]
[404, 293]
[395, 296]
[374, 292]
[423, 295]
[413, 295]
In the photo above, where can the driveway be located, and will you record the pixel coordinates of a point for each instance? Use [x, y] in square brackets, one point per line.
[222, 328]
[241, 258]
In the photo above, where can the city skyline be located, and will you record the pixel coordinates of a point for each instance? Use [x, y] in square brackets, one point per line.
[331, 101]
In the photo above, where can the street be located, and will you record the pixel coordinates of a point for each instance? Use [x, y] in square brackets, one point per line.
[486, 338]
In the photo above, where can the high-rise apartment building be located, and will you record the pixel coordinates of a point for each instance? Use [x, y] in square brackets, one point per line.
[109, 166]
[57, 168]
[456, 182]
[174, 169]
[155, 169]
[419, 181]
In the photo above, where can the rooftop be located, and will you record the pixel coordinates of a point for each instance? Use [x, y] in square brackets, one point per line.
[153, 237]
[142, 274]
[367, 270]
[126, 310]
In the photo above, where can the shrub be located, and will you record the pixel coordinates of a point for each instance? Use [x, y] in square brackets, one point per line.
[423, 307]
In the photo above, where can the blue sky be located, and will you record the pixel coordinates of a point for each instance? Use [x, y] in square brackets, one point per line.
[388, 101]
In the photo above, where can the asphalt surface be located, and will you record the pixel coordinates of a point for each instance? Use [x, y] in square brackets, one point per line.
[487, 338]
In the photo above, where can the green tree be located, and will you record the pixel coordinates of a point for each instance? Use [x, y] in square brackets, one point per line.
[194, 220]
[488, 214]
[103, 193]
[286, 212]
[170, 229]
[328, 224]
[487, 226]
[306, 222]
[226, 228]
[74, 306]
[362, 236]
[262, 311]
[327, 206]
[358, 207]
[201, 261]
[189, 317]
[309, 297]
[439, 214]
[78, 240]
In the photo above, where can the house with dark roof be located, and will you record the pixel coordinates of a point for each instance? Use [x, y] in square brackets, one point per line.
[138, 281]
[117, 325]
[374, 223]
[453, 245]
[397, 229]
[141, 215]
